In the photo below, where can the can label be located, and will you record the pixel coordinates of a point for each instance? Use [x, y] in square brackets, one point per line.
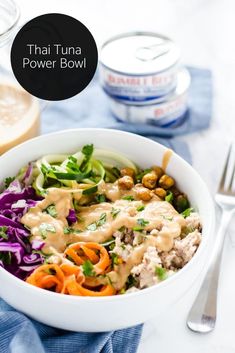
[162, 114]
[138, 87]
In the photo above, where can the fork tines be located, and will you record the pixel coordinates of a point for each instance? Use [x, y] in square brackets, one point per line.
[226, 182]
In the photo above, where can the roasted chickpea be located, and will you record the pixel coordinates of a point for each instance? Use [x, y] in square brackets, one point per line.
[126, 182]
[127, 171]
[166, 181]
[158, 170]
[143, 194]
[160, 192]
[149, 180]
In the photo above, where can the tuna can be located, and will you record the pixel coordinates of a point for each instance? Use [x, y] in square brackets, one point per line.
[139, 66]
[168, 111]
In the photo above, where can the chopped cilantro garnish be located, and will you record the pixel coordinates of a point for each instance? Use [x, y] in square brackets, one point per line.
[112, 246]
[87, 150]
[93, 226]
[187, 212]
[167, 218]
[169, 197]
[69, 230]
[46, 227]
[72, 164]
[8, 181]
[51, 210]
[141, 174]
[114, 258]
[102, 219]
[140, 208]
[88, 269]
[138, 229]
[3, 232]
[131, 281]
[128, 198]
[161, 273]
[115, 212]
[142, 222]
[100, 198]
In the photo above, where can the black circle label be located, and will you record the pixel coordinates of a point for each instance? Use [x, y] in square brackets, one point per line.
[54, 56]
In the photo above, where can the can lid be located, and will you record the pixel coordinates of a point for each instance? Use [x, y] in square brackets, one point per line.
[139, 53]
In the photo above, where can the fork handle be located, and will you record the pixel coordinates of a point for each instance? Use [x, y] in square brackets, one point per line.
[202, 316]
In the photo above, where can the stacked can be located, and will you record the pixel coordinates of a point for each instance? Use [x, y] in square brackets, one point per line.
[144, 82]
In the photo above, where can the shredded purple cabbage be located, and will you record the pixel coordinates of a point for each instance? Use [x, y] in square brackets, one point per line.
[13, 248]
[37, 244]
[72, 218]
[16, 253]
[16, 200]
[28, 176]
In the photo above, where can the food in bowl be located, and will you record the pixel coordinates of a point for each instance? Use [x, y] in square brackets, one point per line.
[95, 224]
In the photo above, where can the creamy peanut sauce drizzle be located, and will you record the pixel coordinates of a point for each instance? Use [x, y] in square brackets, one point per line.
[121, 273]
[35, 217]
[166, 158]
[164, 223]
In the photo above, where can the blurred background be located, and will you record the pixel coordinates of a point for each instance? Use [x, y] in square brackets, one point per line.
[204, 30]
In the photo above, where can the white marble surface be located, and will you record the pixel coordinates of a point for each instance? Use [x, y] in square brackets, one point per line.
[205, 31]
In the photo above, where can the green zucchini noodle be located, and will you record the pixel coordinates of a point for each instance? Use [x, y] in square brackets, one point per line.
[110, 157]
[81, 172]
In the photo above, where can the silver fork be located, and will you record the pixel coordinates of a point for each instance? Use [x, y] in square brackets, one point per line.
[202, 316]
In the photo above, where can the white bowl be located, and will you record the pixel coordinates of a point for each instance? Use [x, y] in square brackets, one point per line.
[93, 314]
